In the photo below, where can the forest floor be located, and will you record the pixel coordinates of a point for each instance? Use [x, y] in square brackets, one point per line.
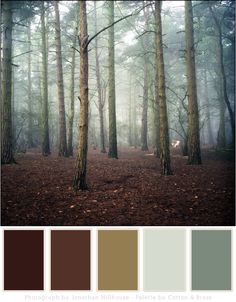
[128, 191]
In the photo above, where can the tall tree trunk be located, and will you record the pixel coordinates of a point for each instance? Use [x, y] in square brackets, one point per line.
[221, 140]
[72, 102]
[156, 107]
[72, 89]
[135, 119]
[220, 59]
[144, 144]
[6, 126]
[144, 125]
[111, 85]
[164, 131]
[30, 118]
[81, 161]
[208, 115]
[62, 118]
[130, 140]
[194, 152]
[99, 87]
[45, 127]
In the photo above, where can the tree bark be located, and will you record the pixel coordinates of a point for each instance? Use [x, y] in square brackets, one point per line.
[194, 152]
[164, 131]
[144, 143]
[62, 119]
[45, 127]
[72, 89]
[130, 138]
[111, 86]
[7, 156]
[208, 115]
[81, 161]
[144, 125]
[99, 87]
[30, 118]
[156, 108]
[221, 140]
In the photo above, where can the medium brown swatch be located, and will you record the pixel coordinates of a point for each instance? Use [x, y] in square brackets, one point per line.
[70, 260]
[23, 260]
[117, 260]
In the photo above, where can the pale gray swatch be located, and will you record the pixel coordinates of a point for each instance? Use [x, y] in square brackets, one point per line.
[164, 260]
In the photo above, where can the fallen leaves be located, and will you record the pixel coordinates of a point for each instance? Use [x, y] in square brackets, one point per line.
[128, 191]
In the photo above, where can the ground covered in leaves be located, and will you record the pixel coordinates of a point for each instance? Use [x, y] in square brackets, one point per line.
[127, 191]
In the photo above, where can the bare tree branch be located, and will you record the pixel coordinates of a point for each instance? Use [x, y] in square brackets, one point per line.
[115, 22]
[21, 54]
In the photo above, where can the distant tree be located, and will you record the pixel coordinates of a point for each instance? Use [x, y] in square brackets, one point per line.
[30, 113]
[208, 116]
[194, 152]
[164, 131]
[62, 119]
[101, 99]
[72, 88]
[144, 128]
[7, 156]
[45, 126]
[111, 85]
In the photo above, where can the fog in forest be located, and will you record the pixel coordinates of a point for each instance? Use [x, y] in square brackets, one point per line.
[84, 83]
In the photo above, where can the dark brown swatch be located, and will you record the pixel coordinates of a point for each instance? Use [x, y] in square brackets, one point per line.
[70, 260]
[23, 260]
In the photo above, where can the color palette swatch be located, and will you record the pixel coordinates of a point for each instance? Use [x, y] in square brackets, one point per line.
[150, 260]
[117, 260]
[23, 260]
[164, 260]
[211, 260]
[70, 260]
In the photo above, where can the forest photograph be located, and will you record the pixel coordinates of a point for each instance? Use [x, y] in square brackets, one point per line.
[117, 113]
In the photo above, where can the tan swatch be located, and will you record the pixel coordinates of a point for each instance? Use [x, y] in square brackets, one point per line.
[117, 260]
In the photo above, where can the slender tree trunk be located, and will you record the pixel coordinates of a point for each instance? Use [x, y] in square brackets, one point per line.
[30, 118]
[221, 140]
[130, 140]
[72, 90]
[99, 87]
[164, 131]
[62, 118]
[144, 127]
[111, 86]
[72, 103]
[156, 107]
[208, 115]
[6, 125]
[135, 119]
[144, 144]
[194, 152]
[220, 59]
[81, 161]
[45, 127]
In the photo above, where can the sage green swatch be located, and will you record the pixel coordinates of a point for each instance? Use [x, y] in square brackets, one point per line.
[164, 264]
[211, 260]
